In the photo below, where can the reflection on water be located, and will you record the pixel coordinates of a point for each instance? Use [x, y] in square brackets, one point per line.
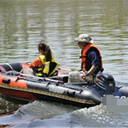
[7, 106]
[23, 23]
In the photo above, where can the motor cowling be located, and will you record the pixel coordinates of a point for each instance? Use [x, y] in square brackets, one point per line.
[105, 82]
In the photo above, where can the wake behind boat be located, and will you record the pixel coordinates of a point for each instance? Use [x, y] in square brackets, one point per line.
[57, 89]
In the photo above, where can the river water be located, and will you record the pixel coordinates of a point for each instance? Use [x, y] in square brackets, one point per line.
[23, 23]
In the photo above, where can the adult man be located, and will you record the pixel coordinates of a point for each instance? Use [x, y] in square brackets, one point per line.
[91, 59]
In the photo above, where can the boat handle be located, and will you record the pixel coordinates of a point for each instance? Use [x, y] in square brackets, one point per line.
[6, 81]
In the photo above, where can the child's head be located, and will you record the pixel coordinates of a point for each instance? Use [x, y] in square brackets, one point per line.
[44, 49]
[42, 46]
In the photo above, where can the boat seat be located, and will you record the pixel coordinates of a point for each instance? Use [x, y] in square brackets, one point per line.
[11, 67]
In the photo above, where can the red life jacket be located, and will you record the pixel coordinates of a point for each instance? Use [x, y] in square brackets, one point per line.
[84, 56]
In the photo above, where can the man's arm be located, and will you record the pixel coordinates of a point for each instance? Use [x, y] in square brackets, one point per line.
[95, 61]
[92, 70]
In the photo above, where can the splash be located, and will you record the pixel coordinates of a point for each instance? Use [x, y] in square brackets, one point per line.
[45, 115]
[33, 111]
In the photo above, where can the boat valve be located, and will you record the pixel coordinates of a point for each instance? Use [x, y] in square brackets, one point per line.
[6, 81]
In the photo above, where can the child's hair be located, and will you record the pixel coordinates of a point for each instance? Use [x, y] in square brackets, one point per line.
[46, 50]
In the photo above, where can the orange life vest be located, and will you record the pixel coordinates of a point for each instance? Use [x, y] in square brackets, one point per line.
[84, 56]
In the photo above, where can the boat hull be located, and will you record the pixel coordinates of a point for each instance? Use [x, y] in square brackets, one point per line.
[30, 95]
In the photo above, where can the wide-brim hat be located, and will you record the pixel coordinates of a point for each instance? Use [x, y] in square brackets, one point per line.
[84, 38]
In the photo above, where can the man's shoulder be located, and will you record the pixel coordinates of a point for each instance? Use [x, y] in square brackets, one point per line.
[92, 50]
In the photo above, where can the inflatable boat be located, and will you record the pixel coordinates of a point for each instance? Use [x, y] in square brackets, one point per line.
[57, 89]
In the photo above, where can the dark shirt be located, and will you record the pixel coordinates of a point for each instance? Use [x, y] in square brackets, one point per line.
[93, 59]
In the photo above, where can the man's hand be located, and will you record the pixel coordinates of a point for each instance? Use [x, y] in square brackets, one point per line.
[88, 78]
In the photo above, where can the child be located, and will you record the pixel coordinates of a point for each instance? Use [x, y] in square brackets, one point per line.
[44, 65]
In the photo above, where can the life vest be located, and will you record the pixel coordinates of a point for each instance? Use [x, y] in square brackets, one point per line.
[49, 68]
[84, 56]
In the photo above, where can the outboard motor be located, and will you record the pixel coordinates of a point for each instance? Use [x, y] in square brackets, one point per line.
[105, 82]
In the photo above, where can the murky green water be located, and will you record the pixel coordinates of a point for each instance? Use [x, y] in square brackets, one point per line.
[23, 23]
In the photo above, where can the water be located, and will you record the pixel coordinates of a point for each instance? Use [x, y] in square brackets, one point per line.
[33, 115]
[24, 23]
